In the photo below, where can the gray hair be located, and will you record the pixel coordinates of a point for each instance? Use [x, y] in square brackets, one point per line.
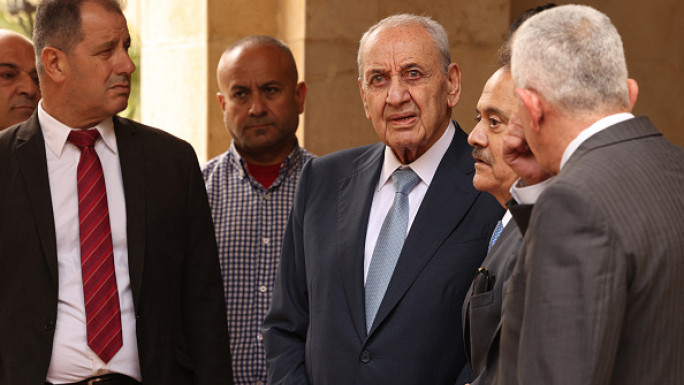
[436, 31]
[573, 56]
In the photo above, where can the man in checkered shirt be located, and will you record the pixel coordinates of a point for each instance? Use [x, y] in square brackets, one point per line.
[251, 186]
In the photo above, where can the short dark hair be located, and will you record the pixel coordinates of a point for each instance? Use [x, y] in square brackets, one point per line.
[58, 24]
[504, 54]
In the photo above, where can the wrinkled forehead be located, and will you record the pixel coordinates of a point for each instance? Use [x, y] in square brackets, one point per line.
[498, 94]
[399, 46]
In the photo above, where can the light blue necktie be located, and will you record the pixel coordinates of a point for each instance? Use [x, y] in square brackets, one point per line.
[495, 235]
[389, 244]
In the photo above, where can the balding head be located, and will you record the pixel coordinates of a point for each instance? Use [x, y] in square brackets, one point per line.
[260, 98]
[19, 92]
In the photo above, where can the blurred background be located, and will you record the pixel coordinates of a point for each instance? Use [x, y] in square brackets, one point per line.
[177, 45]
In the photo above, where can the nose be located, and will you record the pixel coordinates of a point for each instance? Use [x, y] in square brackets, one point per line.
[28, 86]
[126, 64]
[398, 92]
[478, 137]
[257, 108]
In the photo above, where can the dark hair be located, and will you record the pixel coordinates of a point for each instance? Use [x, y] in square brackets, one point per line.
[58, 24]
[504, 54]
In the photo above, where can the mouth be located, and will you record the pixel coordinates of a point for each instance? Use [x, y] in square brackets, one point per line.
[121, 87]
[24, 107]
[403, 118]
[258, 125]
[480, 158]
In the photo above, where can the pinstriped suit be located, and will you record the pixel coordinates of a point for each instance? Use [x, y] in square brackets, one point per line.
[597, 294]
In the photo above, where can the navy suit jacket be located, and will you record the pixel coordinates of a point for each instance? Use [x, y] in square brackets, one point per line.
[175, 278]
[315, 330]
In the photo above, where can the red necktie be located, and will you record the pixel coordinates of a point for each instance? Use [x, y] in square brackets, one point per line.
[97, 258]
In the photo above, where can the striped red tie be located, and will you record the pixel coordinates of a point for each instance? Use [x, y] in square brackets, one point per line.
[97, 258]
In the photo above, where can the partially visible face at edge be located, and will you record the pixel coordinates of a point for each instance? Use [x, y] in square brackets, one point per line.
[19, 91]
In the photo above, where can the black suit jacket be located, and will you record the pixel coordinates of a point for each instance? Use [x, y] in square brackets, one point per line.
[482, 311]
[315, 330]
[175, 280]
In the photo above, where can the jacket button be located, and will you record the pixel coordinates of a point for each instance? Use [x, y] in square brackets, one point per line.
[50, 325]
[365, 357]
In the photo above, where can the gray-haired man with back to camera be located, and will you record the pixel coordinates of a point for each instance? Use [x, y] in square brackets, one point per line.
[596, 294]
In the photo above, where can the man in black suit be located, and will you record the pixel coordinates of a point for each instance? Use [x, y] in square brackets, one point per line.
[151, 306]
[350, 304]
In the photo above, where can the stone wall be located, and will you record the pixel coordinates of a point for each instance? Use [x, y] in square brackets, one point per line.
[183, 40]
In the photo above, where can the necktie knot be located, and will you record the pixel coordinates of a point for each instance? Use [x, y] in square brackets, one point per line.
[404, 180]
[83, 138]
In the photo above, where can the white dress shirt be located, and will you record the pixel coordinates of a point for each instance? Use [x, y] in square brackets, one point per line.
[506, 218]
[72, 360]
[425, 167]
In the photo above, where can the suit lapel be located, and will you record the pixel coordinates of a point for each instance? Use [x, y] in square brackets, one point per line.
[33, 168]
[446, 202]
[131, 157]
[355, 198]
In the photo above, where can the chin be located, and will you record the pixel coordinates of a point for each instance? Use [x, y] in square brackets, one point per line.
[119, 108]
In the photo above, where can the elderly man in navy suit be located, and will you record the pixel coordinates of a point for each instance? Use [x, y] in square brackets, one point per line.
[383, 239]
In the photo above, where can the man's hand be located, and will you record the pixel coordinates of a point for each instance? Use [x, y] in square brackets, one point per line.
[519, 157]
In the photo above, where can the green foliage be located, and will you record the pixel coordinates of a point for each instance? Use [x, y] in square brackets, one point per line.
[17, 16]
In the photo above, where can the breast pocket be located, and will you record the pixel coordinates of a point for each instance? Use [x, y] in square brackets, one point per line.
[482, 299]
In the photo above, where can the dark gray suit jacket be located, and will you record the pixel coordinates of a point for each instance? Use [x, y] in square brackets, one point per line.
[175, 278]
[482, 311]
[315, 330]
[597, 294]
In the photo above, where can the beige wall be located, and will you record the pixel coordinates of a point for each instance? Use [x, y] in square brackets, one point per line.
[182, 41]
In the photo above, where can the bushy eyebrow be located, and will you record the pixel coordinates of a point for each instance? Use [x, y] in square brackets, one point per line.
[493, 111]
[10, 65]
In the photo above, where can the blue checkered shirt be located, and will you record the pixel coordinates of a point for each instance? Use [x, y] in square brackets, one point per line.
[249, 221]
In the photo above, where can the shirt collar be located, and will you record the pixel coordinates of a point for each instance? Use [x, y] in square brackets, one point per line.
[285, 167]
[425, 166]
[56, 133]
[595, 128]
[506, 218]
